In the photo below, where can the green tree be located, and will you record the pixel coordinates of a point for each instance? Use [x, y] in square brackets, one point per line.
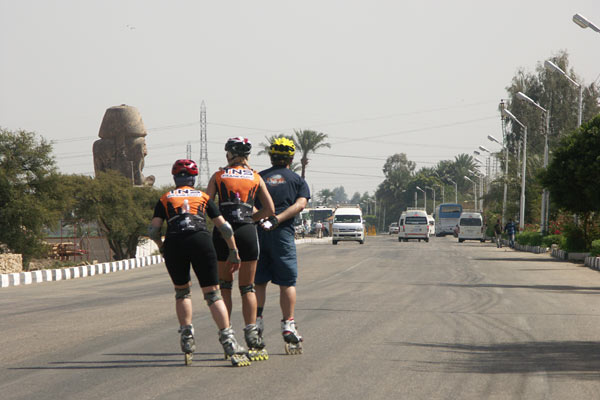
[325, 196]
[30, 199]
[339, 195]
[121, 210]
[307, 142]
[572, 175]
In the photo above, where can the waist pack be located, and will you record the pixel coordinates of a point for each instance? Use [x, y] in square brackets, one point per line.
[186, 223]
[236, 213]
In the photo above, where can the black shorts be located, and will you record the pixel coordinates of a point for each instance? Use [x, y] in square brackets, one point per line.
[195, 249]
[246, 241]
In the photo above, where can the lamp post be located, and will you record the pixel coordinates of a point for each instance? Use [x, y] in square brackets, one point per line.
[474, 192]
[493, 139]
[545, 194]
[522, 205]
[433, 191]
[424, 197]
[584, 22]
[550, 65]
[488, 167]
[441, 187]
[455, 189]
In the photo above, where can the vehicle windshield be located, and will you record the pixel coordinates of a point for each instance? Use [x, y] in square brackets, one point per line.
[450, 210]
[394, 224]
[416, 221]
[347, 218]
[470, 222]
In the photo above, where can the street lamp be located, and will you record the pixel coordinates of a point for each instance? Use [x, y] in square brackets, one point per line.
[474, 192]
[550, 65]
[425, 197]
[545, 194]
[433, 190]
[522, 205]
[455, 189]
[443, 198]
[584, 22]
[493, 139]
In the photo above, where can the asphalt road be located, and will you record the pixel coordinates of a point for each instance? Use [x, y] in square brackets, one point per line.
[383, 320]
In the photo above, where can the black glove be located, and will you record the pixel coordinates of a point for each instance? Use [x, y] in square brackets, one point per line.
[268, 224]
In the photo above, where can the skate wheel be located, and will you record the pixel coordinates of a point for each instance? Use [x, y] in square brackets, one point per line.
[240, 360]
[188, 358]
[258, 355]
[293, 348]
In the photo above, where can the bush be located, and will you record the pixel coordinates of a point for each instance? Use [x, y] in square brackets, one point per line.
[529, 238]
[548, 241]
[574, 239]
[595, 250]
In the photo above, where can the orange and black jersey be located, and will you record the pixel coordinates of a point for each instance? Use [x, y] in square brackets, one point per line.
[185, 216]
[237, 187]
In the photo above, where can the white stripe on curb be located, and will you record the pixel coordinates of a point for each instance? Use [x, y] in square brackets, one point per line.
[48, 275]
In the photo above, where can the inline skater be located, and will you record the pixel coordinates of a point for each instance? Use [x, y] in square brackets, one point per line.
[238, 186]
[277, 262]
[188, 242]
[498, 234]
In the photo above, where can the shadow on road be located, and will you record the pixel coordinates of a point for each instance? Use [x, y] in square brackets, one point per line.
[575, 359]
[563, 288]
[553, 260]
[140, 360]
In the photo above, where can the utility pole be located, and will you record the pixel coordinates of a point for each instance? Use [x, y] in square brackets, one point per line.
[188, 150]
[204, 173]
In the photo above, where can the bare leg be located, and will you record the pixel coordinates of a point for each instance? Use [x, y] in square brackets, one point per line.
[261, 294]
[287, 301]
[218, 309]
[183, 307]
[225, 275]
[246, 277]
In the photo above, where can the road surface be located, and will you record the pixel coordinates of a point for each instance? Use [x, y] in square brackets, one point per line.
[383, 320]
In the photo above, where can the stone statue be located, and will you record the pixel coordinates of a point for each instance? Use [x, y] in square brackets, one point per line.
[122, 146]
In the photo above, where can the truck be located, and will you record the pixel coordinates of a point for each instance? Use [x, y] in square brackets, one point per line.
[348, 224]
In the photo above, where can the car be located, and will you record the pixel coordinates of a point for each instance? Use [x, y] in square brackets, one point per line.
[471, 227]
[413, 225]
[348, 224]
[393, 228]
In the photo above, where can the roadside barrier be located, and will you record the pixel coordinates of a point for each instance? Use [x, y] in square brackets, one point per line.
[60, 274]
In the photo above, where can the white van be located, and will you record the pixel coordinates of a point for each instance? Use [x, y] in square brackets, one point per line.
[415, 226]
[348, 224]
[401, 233]
[470, 227]
[431, 223]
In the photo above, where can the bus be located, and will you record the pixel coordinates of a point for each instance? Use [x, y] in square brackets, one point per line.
[322, 214]
[446, 218]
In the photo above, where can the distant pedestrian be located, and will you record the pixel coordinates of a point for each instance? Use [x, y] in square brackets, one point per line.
[510, 229]
[498, 234]
[319, 229]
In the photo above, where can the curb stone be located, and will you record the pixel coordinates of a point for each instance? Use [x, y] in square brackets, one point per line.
[49, 275]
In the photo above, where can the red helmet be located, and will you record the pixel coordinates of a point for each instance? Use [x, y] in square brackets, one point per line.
[188, 167]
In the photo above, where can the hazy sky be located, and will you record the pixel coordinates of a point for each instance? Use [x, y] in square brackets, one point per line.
[379, 77]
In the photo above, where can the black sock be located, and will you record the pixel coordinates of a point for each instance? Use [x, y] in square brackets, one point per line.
[259, 311]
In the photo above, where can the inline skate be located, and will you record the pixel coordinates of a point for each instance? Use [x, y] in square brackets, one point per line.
[293, 340]
[233, 351]
[188, 344]
[255, 343]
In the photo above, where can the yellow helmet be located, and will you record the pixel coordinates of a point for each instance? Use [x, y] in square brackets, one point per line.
[282, 147]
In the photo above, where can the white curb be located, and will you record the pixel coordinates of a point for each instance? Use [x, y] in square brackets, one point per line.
[48, 275]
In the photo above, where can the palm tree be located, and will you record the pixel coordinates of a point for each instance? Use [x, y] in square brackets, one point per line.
[309, 141]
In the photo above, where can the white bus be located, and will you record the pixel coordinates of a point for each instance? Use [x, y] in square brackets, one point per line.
[446, 218]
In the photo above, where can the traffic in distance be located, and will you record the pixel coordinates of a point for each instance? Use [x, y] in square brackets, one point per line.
[345, 222]
[448, 219]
